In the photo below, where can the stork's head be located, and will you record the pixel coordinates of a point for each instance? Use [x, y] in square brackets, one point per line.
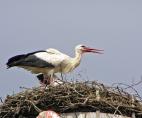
[82, 49]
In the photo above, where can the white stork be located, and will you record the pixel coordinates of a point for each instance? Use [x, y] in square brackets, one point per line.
[50, 61]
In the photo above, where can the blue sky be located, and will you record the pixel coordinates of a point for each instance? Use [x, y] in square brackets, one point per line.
[112, 25]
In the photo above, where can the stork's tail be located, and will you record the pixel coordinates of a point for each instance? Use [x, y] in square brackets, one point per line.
[14, 60]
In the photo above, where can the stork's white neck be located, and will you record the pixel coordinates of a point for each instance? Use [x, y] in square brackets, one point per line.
[73, 62]
[76, 60]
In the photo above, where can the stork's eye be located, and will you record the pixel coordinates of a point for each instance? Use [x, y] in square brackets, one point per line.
[83, 46]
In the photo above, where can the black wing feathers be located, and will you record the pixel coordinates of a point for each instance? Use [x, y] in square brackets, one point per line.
[13, 61]
[28, 60]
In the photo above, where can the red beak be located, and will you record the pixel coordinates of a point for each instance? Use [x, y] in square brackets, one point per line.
[93, 50]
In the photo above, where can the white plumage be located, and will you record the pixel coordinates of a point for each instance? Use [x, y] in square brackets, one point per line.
[52, 56]
[50, 61]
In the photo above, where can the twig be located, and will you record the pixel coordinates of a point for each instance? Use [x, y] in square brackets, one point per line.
[1, 100]
[114, 107]
[86, 100]
[130, 86]
[116, 110]
[36, 108]
[22, 87]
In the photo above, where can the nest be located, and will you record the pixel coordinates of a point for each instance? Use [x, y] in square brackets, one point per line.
[71, 97]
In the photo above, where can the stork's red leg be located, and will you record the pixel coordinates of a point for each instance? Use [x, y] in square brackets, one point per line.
[48, 80]
[44, 79]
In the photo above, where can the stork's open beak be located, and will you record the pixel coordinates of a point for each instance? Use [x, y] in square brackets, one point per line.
[93, 50]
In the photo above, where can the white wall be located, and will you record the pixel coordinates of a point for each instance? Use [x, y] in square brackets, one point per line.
[91, 115]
